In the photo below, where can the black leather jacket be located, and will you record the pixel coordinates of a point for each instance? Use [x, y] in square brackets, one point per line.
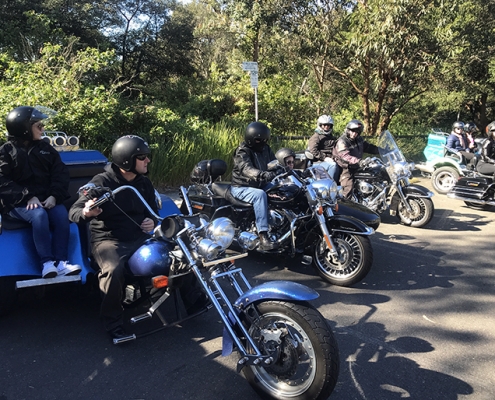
[488, 151]
[347, 153]
[249, 166]
[26, 172]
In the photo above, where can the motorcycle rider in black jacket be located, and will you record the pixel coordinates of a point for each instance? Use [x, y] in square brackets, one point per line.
[486, 165]
[115, 236]
[34, 183]
[250, 174]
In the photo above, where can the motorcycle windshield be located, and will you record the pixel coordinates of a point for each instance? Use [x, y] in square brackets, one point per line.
[394, 160]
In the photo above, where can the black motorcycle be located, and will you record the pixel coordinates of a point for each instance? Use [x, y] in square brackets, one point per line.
[383, 184]
[303, 219]
[477, 190]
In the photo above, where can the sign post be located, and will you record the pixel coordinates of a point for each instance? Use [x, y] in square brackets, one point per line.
[252, 67]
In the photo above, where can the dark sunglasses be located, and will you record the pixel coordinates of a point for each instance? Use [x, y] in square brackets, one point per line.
[357, 130]
[39, 125]
[326, 125]
[290, 162]
[142, 157]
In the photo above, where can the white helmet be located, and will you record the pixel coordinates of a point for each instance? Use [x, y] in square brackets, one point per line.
[325, 120]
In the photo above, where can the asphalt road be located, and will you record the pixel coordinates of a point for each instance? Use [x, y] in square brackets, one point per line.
[419, 326]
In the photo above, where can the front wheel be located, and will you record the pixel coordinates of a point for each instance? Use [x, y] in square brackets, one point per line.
[421, 213]
[305, 352]
[444, 178]
[352, 264]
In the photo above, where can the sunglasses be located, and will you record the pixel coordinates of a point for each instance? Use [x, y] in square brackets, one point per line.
[39, 125]
[290, 162]
[357, 130]
[326, 125]
[142, 157]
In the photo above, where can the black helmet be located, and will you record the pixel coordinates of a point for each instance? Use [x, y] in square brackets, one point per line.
[20, 121]
[354, 125]
[458, 124]
[283, 153]
[490, 128]
[256, 135]
[125, 150]
[471, 127]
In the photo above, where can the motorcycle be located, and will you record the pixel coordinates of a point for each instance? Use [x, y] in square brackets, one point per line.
[286, 349]
[477, 190]
[303, 219]
[442, 165]
[382, 184]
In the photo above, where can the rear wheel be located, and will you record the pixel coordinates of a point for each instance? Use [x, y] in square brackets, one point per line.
[305, 354]
[477, 205]
[351, 265]
[421, 211]
[444, 178]
[8, 293]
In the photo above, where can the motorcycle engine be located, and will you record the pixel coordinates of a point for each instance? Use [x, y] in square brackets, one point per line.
[364, 188]
[275, 219]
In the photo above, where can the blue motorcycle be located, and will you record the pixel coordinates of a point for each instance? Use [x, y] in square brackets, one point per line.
[286, 349]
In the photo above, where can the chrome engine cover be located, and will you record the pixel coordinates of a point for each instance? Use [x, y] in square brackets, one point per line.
[365, 188]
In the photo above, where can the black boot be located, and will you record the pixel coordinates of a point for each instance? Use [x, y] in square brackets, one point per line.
[265, 242]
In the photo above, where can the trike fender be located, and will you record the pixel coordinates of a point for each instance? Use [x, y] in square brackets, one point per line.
[19, 256]
[21, 259]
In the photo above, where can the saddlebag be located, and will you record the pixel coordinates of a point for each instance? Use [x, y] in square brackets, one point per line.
[474, 188]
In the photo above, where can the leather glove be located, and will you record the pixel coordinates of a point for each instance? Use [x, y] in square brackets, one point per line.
[267, 176]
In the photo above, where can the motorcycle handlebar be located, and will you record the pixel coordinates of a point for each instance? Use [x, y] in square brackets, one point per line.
[110, 194]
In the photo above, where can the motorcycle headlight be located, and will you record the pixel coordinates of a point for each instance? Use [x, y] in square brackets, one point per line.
[325, 189]
[221, 231]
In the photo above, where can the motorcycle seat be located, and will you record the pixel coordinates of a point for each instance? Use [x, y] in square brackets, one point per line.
[222, 189]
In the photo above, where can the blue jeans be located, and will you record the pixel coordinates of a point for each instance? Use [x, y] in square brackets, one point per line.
[331, 168]
[50, 230]
[258, 199]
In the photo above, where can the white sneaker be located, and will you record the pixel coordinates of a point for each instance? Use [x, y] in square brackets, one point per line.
[64, 268]
[49, 270]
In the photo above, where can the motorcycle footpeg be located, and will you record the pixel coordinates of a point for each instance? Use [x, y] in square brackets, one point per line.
[124, 339]
[306, 260]
[142, 317]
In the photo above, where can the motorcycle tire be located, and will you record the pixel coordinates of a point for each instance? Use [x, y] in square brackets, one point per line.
[422, 214]
[443, 179]
[8, 294]
[306, 364]
[477, 206]
[357, 255]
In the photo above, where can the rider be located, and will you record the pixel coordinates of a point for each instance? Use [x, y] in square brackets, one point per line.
[486, 165]
[321, 144]
[348, 153]
[250, 174]
[120, 227]
[286, 157]
[471, 129]
[457, 142]
[34, 183]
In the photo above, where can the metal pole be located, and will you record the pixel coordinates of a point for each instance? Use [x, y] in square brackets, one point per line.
[256, 103]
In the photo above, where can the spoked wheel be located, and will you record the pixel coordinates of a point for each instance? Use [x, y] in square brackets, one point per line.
[305, 353]
[351, 265]
[421, 213]
[444, 179]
